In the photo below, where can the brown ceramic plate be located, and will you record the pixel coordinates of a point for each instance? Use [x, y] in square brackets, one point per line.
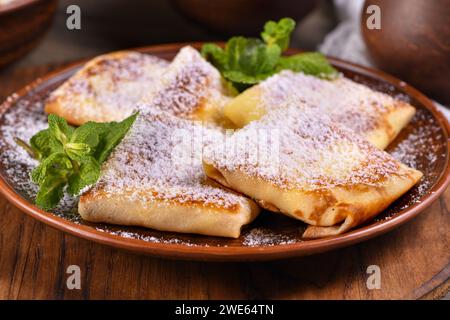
[423, 145]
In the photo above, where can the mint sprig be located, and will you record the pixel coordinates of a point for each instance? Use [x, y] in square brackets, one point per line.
[248, 61]
[278, 33]
[70, 158]
[312, 63]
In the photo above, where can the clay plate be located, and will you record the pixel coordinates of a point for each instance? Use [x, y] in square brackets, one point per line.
[423, 145]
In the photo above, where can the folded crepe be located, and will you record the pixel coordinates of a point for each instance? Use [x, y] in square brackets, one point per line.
[154, 178]
[107, 88]
[376, 116]
[190, 88]
[298, 161]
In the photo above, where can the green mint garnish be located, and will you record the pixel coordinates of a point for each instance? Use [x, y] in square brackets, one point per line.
[248, 61]
[278, 33]
[70, 158]
[312, 63]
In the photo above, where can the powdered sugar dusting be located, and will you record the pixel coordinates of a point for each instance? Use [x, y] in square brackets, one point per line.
[410, 149]
[265, 237]
[154, 161]
[146, 166]
[108, 87]
[149, 238]
[313, 152]
[188, 85]
[420, 145]
[23, 121]
[349, 103]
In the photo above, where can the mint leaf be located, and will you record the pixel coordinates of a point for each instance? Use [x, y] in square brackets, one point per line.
[59, 128]
[312, 63]
[248, 61]
[102, 138]
[51, 190]
[251, 56]
[51, 176]
[278, 33]
[111, 134]
[71, 158]
[77, 150]
[88, 174]
[44, 144]
[89, 133]
[244, 61]
[215, 54]
[56, 162]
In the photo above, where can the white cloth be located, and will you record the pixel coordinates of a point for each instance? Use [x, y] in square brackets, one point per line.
[345, 41]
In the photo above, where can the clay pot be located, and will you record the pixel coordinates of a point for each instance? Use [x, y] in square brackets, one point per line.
[242, 17]
[413, 43]
[22, 25]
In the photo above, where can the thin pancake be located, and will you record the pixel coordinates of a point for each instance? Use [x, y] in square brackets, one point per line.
[190, 88]
[297, 161]
[372, 114]
[107, 88]
[155, 178]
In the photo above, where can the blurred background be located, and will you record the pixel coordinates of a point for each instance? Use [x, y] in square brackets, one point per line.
[412, 44]
[115, 24]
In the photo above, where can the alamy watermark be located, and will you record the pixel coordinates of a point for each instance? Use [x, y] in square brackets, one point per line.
[374, 278]
[258, 147]
[373, 21]
[74, 279]
[73, 21]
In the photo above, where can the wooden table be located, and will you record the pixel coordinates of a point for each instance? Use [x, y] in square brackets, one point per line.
[414, 261]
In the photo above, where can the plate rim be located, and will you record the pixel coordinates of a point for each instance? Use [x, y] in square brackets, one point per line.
[233, 253]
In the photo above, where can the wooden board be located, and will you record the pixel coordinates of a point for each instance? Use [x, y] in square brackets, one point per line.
[414, 261]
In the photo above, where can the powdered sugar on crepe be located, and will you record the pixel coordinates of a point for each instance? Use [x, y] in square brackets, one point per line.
[160, 159]
[108, 87]
[312, 152]
[353, 105]
[188, 85]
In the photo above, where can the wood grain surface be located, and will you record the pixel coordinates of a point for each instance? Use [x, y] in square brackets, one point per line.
[414, 261]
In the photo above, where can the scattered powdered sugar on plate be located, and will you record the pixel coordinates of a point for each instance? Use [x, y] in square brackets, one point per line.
[265, 237]
[148, 238]
[23, 121]
[20, 123]
[419, 143]
[422, 146]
